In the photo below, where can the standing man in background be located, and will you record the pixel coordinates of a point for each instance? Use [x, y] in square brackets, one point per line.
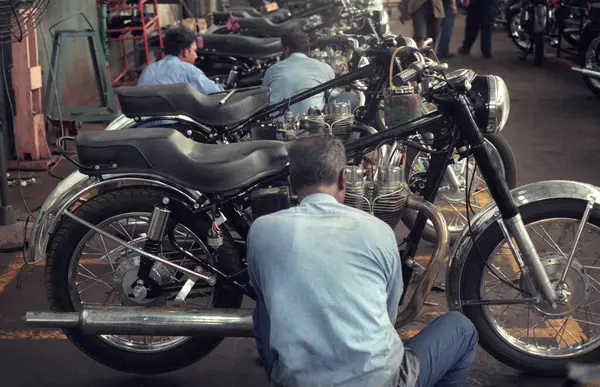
[426, 17]
[480, 16]
[443, 49]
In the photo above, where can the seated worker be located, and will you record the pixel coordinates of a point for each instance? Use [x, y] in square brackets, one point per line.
[297, 73]
[178, 64]
[328, 281]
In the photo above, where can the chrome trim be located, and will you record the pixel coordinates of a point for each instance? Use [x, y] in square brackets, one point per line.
[69, 190]
[530, 193]
[121, 122]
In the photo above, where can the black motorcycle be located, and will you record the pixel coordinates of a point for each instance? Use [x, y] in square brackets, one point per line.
[170, 231]
[589, 49]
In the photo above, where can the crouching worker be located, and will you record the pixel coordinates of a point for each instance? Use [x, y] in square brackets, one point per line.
[328, 282]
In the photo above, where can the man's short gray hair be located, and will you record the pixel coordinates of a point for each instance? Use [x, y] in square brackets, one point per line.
[316, 160]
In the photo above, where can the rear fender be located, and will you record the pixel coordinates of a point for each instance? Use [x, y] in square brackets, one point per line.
[78, 188]
[527, 194]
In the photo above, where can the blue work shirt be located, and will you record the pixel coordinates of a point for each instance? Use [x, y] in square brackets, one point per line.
[294, 74]
[328, 280]
[171, 69]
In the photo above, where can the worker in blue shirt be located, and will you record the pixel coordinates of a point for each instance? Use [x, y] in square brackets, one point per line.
[178, 64]
[328, 281]
[296, 73]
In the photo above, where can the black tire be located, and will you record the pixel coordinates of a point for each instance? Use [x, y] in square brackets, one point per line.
[470, 286]
[592, 84]
[510, 173]
[62, 247]
[511, 14]
[538, 46]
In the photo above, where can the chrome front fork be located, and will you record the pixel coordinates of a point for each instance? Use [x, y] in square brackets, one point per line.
[533, 272]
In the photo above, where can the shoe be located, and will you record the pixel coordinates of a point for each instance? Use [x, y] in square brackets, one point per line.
[463, 51]
[488, 56]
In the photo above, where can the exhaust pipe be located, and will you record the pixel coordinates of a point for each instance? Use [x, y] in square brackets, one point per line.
[149, 321]
[436, 263]
[587, 72]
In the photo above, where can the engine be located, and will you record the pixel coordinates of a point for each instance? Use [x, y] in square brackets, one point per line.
[338, 121]
[384, 196]
[334, 58]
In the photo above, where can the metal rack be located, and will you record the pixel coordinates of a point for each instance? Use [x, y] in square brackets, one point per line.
[135, 34]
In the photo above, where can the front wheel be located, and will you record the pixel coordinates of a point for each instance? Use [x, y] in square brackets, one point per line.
[86, 270]
[451, 199]
[592, 62]
[535, 338]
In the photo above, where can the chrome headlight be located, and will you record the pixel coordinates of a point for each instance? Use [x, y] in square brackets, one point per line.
[491, 101]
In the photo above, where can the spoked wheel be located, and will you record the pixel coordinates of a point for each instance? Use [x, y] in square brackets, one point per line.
[517, 33]
[85, 270]
[592, 62]
[535, 337]
[451, 197]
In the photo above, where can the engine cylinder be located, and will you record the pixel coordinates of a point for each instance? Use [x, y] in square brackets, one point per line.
[385, 197]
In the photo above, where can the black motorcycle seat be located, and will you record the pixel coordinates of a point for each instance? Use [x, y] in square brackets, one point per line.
[269, 28]
[184, 99]
[240, 45]
[208, 168]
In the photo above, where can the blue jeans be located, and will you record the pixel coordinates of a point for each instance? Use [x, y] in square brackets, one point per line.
[446, 350]
[447, 26]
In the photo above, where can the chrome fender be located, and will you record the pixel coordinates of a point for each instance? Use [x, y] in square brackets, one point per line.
[530, 193]
[70, 190]
[540, 18]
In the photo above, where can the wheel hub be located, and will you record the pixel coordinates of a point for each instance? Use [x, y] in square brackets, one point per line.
[131, 289]
[572, 293]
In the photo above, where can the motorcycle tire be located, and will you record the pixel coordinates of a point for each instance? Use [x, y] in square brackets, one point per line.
[489, 338]
[510, 17]
[63, 245]
[510, 174]
[592, 84]
[538, 46]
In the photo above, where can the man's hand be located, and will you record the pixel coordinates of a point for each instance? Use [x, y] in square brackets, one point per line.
[453, 7]
[466, 3]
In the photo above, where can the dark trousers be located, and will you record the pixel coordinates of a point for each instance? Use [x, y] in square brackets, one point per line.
[480, 16]
[425, 25]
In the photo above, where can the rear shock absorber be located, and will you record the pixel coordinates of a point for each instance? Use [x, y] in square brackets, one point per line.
[155, 236]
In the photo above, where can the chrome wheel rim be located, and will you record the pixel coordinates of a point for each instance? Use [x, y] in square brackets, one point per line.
[105, 254]
[592, 60]
[564, 334]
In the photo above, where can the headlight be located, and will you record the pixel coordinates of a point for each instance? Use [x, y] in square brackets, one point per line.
[491, 101]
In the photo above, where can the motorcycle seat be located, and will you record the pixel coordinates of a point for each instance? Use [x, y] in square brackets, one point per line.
[183, 99]
[208, 168]
[240, 45]
[267, 27]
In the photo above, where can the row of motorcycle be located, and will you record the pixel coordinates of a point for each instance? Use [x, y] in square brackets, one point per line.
[145, 245]
[535, 25]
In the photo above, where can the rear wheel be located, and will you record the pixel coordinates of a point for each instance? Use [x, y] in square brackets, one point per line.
[85, 270]
[592, 62]
[536, 338]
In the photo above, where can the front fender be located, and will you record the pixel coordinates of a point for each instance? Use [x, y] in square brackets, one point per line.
[72, 189]
[530, 193]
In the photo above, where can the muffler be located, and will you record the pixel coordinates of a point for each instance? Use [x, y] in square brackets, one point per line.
[587, 72]
[149, 321]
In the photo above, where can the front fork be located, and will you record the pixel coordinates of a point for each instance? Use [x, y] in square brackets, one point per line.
[507, 206]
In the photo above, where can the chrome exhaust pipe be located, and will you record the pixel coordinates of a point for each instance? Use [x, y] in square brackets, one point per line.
[587, 72]
[436, 263]
[149, 321]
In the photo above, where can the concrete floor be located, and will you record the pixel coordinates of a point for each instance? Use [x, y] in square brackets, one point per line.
[553, 130]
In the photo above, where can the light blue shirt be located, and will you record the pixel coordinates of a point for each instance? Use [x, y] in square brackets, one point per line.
[171, 69]
[294, 74]
[328, 281]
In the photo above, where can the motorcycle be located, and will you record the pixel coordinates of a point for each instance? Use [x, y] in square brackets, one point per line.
[590, 48]
[171, 228]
